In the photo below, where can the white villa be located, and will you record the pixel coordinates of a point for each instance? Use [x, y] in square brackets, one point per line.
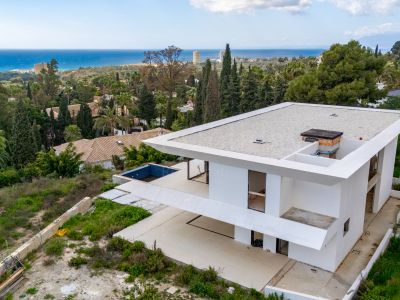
[296, 179]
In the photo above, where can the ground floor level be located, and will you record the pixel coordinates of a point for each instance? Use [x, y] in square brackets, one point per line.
[204, 242]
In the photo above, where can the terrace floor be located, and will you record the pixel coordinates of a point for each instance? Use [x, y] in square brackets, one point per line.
[204, 242]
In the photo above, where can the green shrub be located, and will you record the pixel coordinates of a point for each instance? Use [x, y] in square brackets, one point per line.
[77, 262]
[31, 291]
[108, 186]
[9, 177]
[55, 247]
[75, 235]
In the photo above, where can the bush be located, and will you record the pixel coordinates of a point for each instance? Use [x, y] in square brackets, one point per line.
[31, 291]
[9, 177]
[77, 262]
[108, 186]
[55, 247]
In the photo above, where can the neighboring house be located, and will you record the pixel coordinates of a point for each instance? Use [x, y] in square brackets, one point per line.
[74, 110]
[37, 68]
[99, 151]
[297, 179]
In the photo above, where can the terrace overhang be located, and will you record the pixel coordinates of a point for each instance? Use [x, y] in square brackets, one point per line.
[283, 228]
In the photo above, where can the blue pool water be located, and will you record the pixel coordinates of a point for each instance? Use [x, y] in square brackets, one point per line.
[149, 172]
[75, 59]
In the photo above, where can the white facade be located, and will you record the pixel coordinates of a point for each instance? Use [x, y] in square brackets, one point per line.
[307, 207]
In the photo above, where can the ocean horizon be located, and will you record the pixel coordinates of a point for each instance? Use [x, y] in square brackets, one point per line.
[24, 59]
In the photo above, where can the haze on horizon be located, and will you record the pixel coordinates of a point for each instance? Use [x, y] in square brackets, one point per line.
[192, 24]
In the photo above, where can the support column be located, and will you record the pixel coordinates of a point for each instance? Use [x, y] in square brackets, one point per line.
[273, 195]
[269, 243]
[242, 235]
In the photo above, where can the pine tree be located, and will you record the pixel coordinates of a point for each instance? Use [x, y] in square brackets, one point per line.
[29, 91]
[22, 138]
[84, 121]
[147, 105]
[234, 90]
[212, 106]
[224, 82]
[250, 94]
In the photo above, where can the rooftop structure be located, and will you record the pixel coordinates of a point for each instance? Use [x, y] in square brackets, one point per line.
[37, 68]
[74, 109]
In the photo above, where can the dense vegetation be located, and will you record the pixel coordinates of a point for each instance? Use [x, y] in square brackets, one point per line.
[27, 208]
[383, 281]
[134, 258]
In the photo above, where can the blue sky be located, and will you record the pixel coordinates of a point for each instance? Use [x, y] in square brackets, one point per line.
[192, 24]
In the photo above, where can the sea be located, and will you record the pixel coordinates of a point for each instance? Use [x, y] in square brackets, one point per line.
[75, 59]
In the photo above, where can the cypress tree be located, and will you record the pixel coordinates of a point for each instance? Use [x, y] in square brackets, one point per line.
[191, 81]
[22, 138]
[266, 97]
[84, 121]
[117, 76]
[198, 104]
[212, 106]
[29, 91]
[376, 50]
[64, 116]
[249, 97]
[224, 82]
[37, 136]
[234, 90]
[146, 105]
[241, 69]
[201, 93]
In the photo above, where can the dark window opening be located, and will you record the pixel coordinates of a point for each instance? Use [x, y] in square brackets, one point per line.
[346, 227]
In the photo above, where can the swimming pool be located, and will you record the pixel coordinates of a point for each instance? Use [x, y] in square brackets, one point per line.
[149, 172]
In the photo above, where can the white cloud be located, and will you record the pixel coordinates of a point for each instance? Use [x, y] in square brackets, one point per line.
[363, 7]
[225, 6]
[374, 30]
[355, 7]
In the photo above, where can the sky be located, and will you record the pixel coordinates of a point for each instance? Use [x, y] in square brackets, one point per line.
[196, 24]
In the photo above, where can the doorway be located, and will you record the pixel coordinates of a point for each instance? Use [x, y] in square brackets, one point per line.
[257, 239]
[282, 247]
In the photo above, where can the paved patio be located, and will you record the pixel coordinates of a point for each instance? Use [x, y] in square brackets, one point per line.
[205, 243]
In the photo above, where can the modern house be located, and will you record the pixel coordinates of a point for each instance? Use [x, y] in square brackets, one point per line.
[297, 179]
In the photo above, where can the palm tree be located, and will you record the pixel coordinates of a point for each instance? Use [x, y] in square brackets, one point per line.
[110, 120]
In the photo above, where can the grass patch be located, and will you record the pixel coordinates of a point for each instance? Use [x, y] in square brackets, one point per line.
[22, 202]
[55, 247]
[77, 262]
[383, 281]
[107, 218]
[31, 291]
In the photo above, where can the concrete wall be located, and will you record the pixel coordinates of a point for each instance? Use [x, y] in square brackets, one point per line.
[317, 198]
[228, 184]
[324, 258]
[352, 206]
[385, 168]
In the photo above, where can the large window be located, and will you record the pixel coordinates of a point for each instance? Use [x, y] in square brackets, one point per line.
[197, 170]
[256, 190]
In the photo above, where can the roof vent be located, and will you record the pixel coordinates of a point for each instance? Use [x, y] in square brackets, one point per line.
[259, 141]
[334, 115]
[120, 142]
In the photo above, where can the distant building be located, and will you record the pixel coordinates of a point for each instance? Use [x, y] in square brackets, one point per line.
[99, 151]
[74, 110]
[221, 55]
[196, 57]
[37, 68]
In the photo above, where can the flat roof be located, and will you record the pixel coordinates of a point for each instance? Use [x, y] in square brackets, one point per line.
[232, 140]
[280, 129]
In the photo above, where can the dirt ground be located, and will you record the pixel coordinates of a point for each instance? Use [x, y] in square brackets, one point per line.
[60, 281]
